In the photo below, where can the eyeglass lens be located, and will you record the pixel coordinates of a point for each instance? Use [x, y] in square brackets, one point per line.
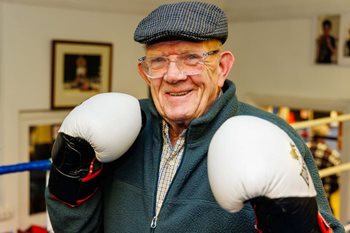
[188, 64]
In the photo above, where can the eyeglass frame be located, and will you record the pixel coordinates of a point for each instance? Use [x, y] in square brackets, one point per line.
[141, 61]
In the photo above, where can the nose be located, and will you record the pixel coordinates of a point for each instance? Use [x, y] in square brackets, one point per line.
[174, 74]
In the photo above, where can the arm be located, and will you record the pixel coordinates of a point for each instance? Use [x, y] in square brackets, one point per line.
[86, 217]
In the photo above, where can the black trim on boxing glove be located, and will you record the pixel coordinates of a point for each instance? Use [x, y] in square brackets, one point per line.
[74, 171]
[287, 215]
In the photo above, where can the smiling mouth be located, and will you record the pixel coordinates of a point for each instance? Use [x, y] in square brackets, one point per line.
[179, 93]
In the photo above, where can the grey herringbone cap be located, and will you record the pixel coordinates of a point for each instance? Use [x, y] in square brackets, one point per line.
[194, 21]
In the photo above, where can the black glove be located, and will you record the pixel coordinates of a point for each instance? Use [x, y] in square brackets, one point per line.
[74, 172]
[286, 215]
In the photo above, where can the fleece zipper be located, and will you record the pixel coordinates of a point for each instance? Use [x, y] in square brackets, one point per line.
[154, 220]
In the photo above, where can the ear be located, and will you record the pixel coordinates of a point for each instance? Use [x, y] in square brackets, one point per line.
[227, 59]
[142, 74]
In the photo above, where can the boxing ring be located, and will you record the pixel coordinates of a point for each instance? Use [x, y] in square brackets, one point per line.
[44, 165]
[304, 124]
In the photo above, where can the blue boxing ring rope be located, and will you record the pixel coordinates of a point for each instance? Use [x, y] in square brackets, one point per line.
[43, 165]
[28, 166]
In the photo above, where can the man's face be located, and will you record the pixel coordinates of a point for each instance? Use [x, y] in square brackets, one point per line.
[327, 29]
[180, 98]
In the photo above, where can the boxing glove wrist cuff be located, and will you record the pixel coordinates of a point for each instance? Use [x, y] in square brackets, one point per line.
[288, 215]
[74, 175]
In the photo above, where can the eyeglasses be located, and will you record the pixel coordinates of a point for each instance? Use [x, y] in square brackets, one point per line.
[187, 63]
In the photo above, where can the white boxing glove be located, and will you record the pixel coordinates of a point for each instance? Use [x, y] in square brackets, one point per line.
[110, 122]
[250, 158]
[101, 129]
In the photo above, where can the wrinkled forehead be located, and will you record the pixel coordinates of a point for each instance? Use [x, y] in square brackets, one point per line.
[180, 46]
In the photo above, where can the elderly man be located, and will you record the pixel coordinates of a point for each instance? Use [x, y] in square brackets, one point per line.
[158, 181]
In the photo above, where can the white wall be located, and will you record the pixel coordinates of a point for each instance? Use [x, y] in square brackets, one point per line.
[1, 103]
[274, 65]
[275, 58]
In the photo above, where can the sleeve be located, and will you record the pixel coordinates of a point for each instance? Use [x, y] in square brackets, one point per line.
[85, 218]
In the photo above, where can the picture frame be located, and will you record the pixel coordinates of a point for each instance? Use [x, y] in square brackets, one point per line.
[37, 131]
[80, 69]
[326, 40]
[344, 41]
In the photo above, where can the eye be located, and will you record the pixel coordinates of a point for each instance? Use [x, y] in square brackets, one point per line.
[191, 58]
[157, 62]
[157, 59]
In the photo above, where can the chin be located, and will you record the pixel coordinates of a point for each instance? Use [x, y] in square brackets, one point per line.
[179, 119]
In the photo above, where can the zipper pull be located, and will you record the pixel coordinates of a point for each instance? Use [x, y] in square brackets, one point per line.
[154, 222]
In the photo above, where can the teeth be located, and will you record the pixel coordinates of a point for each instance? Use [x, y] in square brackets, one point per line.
[179, 93]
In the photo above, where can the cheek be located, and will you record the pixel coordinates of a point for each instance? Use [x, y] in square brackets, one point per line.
[210, 89]
[209, 85]
[155, 87]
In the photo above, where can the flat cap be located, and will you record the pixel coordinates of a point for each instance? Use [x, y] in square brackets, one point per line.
[193, 21]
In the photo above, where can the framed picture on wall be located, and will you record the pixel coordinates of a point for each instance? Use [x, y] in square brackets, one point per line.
[80, 69]
[344, 41]
[38, 130]
[327, 39]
